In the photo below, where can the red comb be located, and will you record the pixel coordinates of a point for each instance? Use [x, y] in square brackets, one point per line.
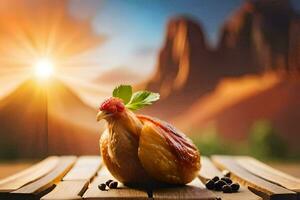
[112, 105]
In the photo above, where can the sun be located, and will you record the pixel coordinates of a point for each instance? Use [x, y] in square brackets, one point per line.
[44, 68]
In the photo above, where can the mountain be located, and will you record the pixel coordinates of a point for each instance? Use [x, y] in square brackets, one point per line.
[178, 62]
[262, 33]
[72, 128]
[184, 69]
[238, 103]
[260, 36]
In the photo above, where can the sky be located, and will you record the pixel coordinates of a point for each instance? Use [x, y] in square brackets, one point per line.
[131, 31]
[135, 29]
[134, 32]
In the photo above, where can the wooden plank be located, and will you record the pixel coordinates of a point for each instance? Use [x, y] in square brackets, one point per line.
[28, 175]
[8, 168]
[46, 183]
[85, 168]
[208, 171]
[259, 186]
[76, 181]
[292, 168]
[67, 190]
[262, 170]
[193, 190]
[121, 192]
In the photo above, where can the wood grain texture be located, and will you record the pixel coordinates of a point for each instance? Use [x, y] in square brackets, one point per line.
[10, 168]
[193, 190]
[67, 190]
[76, 181]
[208, 171]
[28, 175]
[122, 192]
[262, 170]
[85, 168]
[46, 183]
[72, 177]
[287, 167]
[259, 186]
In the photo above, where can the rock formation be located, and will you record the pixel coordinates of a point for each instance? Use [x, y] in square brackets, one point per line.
[181, 60]
[184, 68]
[262, 35]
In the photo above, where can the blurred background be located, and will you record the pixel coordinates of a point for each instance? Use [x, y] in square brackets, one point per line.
[228, 73]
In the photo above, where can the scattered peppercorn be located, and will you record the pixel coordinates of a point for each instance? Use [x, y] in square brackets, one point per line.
[227, 180]
[226, 189]
[215, 179]
[113, 184]
[210, 184]
[108, 182]
[226, 173]
[235, 187]
[222, 184]
[102, 186]
[219, 184]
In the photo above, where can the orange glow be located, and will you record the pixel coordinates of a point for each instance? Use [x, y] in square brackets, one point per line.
[43, 29]
[44, 68]
[228, 93]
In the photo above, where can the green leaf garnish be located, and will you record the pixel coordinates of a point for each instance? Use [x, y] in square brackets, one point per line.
[141, 99]
[135, 101]
[123, 92]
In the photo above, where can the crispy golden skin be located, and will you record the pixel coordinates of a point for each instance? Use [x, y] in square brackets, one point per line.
[141, 149]
[166, 154]
[119, 149]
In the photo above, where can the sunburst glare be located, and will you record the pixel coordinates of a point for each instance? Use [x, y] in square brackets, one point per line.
[44, 68]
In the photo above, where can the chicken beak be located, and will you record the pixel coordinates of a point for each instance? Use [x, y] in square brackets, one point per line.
[101, 115]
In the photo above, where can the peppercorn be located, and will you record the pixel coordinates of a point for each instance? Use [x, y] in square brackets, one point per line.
[108, 182]
[226, 189]
[219, 184]
[210, 184]
[227, 180]
[226, 173]
[113, 184]
[215, 179]
[235, 187]
[102, 186]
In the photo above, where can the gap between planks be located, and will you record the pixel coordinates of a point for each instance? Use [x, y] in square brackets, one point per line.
[76, 181]
[266, 172]
[122, 192]
[259, 186]
[29, 175]
[193, 190]
[43, 185]
[209, 170]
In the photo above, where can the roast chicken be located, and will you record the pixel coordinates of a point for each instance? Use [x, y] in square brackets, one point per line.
[143, 149]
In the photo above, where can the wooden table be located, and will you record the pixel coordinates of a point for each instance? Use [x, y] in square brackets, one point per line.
[70, 177]
[10, 168]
